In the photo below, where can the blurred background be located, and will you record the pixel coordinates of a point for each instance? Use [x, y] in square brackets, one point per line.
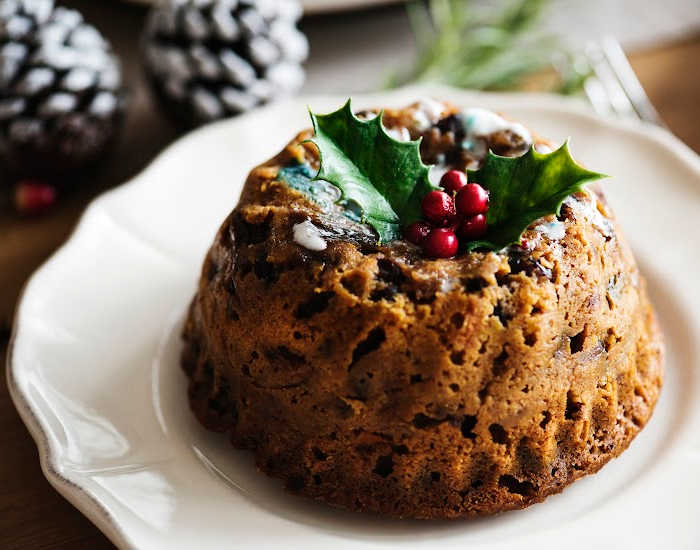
[633, 59]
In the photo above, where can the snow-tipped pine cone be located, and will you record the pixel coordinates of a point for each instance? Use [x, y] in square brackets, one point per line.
[209, 59]
[61, 93]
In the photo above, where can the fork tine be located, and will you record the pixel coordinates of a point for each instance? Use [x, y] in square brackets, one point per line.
[596, 94]
[628, 80]
[620, 103]
[594, 90]
[578, 64]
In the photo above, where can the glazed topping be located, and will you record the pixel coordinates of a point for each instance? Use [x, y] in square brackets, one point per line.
[399, 134]
[300, 177]
[479, 123]
[554, 231]
[309, 236]
[463, 139]
[589, 209]
[383, 178]
[427, 113]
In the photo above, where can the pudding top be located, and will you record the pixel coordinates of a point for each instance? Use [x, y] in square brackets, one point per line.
[310, 220]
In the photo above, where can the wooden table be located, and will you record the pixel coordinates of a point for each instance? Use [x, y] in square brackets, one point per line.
[32, 514]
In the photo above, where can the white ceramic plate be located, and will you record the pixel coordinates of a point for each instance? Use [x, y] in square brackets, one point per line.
[94, 372]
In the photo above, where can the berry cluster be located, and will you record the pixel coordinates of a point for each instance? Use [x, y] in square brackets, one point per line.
[458, 212]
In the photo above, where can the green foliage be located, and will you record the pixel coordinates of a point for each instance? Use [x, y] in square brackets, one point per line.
[491, 48]
[385, 177]
[523, 189]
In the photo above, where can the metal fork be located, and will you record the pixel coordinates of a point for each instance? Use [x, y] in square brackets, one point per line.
[612, 87]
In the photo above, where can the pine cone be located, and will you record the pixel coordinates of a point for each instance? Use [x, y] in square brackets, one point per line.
[61, 94]
[209, 59]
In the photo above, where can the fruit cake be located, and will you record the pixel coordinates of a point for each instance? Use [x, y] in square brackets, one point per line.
[412, 379]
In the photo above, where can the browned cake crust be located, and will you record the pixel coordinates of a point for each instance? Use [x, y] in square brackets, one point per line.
[374, 379]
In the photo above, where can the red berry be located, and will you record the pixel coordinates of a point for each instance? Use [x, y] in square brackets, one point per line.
[416, 232]
[472, 200]
[34, 197]
[438, 207]
[453, 180]
[452, 221]
[472, 228]
[441, 243]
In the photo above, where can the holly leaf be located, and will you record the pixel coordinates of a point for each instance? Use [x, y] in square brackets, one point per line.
[384, 180]
[523, 189]
[384, 176]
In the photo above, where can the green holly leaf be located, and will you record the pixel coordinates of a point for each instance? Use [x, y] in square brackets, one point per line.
[385, 177]
[523, 189]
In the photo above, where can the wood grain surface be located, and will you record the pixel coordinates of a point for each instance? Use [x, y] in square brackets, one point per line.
[32, 514]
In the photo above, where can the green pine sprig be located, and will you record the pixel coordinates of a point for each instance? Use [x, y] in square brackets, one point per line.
[487, 49]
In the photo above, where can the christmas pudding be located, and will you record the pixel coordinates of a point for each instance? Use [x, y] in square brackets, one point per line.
[423, 342]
